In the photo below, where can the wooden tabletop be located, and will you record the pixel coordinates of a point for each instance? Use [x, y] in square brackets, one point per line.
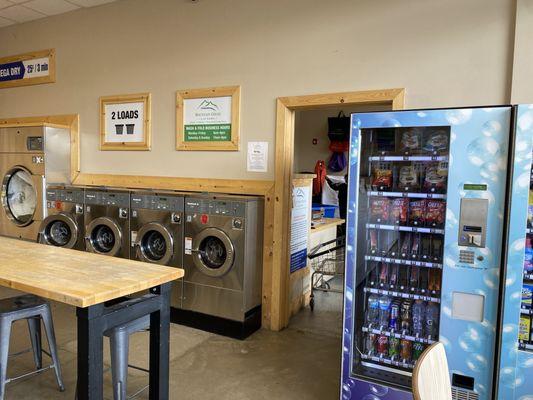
[326, 223]
[74, 277]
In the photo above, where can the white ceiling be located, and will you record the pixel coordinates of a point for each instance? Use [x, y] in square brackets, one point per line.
[18, 11]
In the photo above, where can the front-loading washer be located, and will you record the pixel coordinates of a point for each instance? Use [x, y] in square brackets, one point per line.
[156, 226]
[223, 261]
[64, 225]
[107, 222]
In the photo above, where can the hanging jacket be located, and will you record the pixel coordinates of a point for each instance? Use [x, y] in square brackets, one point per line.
[318, 182]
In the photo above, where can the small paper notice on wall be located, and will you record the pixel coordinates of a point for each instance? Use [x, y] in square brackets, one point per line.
[257, 156]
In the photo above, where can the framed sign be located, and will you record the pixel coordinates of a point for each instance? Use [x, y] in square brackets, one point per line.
[208, 119]
[125, 122]
[33, 68]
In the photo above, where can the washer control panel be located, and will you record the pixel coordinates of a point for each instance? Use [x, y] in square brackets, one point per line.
[119, 199]
[157, 202]
[228, 208]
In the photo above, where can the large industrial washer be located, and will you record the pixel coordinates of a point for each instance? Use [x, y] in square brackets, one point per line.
[156, 225]
[107, 222]
[64, 225]
[223, 263]
[30, 158]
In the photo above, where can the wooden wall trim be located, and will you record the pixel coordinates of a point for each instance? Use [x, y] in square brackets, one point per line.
[286, 107]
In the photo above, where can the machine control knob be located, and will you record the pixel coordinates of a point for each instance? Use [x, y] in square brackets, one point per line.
[123, 213]
[237, 223]
[79, 209]
[176, 218]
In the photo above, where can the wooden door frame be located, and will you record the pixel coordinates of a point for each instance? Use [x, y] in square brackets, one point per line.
[286, 109]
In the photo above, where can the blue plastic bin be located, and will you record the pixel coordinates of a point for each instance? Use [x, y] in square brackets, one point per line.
[328, 211]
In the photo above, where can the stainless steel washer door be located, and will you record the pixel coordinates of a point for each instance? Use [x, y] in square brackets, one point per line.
[155, 244]
[19, 196]
[213, 252]
[59, 230]
[104, 236]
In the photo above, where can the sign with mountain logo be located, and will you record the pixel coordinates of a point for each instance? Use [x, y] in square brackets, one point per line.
[208, 119]
[27, 69]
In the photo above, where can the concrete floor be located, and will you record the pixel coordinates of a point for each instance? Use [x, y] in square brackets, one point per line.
[301, 362]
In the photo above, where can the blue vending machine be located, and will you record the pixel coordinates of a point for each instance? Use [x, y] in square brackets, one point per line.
[515, 380]
[424, 245]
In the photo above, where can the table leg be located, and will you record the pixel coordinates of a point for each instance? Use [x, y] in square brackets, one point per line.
[159, 345]
[90, 353]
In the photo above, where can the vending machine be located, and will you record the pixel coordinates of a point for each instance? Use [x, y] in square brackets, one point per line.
[515, 365]
[425, 223]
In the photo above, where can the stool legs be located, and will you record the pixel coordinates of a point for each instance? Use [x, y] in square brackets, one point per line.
[49, 328]
[119, 343]
[5, 335]
[34, 326]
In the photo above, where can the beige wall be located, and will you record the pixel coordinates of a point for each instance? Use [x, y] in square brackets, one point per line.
[446, 53]
[523, 54]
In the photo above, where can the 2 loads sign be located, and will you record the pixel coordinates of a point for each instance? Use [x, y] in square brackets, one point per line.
[27, 69]
[208, 119]
[125, 122]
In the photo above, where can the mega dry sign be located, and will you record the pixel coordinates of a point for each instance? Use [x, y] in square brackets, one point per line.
[125, 122]
[28, 69]
[208, 119]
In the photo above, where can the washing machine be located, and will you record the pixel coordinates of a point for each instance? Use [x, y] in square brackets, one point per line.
[223, 262]
[64, 225]
[30, 158]
[156, 226]
[107, 222]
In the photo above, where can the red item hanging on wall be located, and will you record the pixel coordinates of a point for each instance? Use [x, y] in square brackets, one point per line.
[318, 181]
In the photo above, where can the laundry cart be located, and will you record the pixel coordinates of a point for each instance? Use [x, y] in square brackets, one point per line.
[327, 263]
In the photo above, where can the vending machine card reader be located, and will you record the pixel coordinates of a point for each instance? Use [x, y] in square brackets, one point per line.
[473, 222]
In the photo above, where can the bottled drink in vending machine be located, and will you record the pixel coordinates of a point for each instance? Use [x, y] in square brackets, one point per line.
[394, 348]
[372, 310]
[406, 315]
[418, 349]
[384, 311]
[406, 348]
[370, 343]
[419, 311]
[432, 320]
[382, 346]
[383, 274]
[394, 323]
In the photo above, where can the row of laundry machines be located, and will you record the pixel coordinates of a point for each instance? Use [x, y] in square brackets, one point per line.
[216, 239]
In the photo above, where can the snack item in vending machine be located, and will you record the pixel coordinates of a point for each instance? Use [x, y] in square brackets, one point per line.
[406, 246]
[382, 179]
[436, 141]
[425, 250]
[418, 349]
[408, 180]
[382, 346]
[399, 208]
[436, 249]
[435, 213]
[435, 180]
[434, 281]
[406, 349]
[414, 278]
[402, 278]
[530, 215]
[524, 328]
[393, 249]
[373, 275]
[415, 248]
[528, 256]
[423, 280]
[394, 348]
[383, 274]
[417, 211]
[379, 209]
[410, 141]
[393, 275]
[373, 242]
[527, 296]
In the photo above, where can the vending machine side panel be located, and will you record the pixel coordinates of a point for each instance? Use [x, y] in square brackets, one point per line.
[516, 365]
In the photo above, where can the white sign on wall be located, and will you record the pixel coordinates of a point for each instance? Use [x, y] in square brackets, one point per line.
[125, 122]
[300, 224]
[207, 119]
[257, 160]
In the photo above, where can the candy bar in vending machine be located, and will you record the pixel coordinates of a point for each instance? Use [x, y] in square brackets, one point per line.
[424, 230]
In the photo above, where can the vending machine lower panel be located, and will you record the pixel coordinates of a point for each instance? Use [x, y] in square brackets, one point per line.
[424, 230]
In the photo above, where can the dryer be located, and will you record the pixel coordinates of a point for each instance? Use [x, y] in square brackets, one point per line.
[30, 158]
[223, 261]
[64, 225]
[156, 226]
[107, 222]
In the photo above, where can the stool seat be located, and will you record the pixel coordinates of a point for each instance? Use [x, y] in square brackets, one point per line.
[20, 303]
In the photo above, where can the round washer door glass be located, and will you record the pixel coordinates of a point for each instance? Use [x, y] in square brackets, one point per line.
[154, 245]
[21, 197]
[212, 252]
[103, 238]
[58, 233]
